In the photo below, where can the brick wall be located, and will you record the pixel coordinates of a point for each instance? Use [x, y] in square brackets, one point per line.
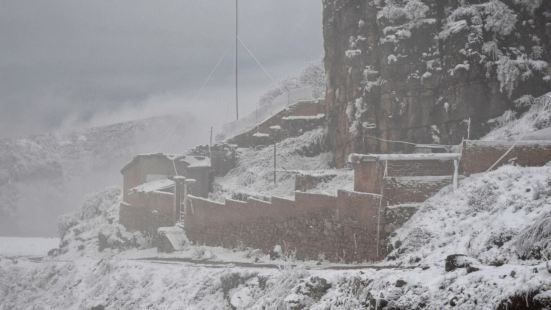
[478, 156]
[420, 168]
[340, 229]
[147, 211]
[368, 175]
[400, 190]
[406, 181]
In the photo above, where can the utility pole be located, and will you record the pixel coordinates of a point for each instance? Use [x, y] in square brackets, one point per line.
[237, 59]
[275, 163]
[210, 143]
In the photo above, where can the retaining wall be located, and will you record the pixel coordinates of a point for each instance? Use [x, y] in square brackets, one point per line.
[401, 190]
[148, 211]
[285, 128]
[313, 226]
[478, 156]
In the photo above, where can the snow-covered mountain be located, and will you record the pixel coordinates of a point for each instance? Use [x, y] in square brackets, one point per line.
[42, 176]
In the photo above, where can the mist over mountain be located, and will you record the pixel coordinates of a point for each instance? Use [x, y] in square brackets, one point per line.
[44, 176]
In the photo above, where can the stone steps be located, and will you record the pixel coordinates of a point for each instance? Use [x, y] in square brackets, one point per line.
[293, 121]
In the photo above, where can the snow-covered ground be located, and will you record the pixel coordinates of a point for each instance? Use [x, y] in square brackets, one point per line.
[254, 174]
[500, 221]
[478, 247]
[488, 218]
[15, 246]
[535, 124]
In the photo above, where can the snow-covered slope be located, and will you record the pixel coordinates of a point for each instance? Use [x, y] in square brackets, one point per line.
[254, 174]
[44, 176]
[308, 85]
[495, 218]
[95, 228]
[499, 220]
[532, 125]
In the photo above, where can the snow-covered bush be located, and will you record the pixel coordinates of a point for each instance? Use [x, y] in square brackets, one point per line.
[485, 23]
[495, 16]
[500, 19]
[405, 15]
[535, 241]
[96, 227]
[510, 72]
[530, 5]
[392, 12]
[416, 9]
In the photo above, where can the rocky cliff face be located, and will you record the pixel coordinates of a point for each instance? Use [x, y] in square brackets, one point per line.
[430, 71]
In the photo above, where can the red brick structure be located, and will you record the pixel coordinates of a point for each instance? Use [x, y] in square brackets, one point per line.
[479, 156]
[153, 189]
[348, 228]
[377, 173]
[405, 190]
[351, 227]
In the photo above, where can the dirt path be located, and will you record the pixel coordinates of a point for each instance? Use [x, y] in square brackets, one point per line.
[229, 264]
[217, 264]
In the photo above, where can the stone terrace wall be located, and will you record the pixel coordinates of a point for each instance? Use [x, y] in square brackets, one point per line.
[479, 156]
[288, 127]
[313, 226]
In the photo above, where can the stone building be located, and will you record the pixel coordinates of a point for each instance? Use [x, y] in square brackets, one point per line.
[153, 185]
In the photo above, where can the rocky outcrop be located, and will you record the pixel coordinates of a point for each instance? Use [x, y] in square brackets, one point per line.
[429, 71]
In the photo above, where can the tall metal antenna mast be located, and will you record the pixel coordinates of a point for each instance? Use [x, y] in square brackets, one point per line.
[237, 59]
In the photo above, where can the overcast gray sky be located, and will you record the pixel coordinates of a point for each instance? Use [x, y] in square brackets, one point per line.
[64, 63]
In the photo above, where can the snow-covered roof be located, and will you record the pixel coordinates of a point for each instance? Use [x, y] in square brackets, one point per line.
[195, 161]
[261, 135]
[543, 142]
[303, 117]
[433, 146]
[192, 161]
[153, 186]
[404, 157]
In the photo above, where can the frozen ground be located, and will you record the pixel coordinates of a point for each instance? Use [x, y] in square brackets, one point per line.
[14, 246]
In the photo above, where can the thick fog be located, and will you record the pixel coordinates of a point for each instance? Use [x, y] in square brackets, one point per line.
[67, 63]
[70, 65]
